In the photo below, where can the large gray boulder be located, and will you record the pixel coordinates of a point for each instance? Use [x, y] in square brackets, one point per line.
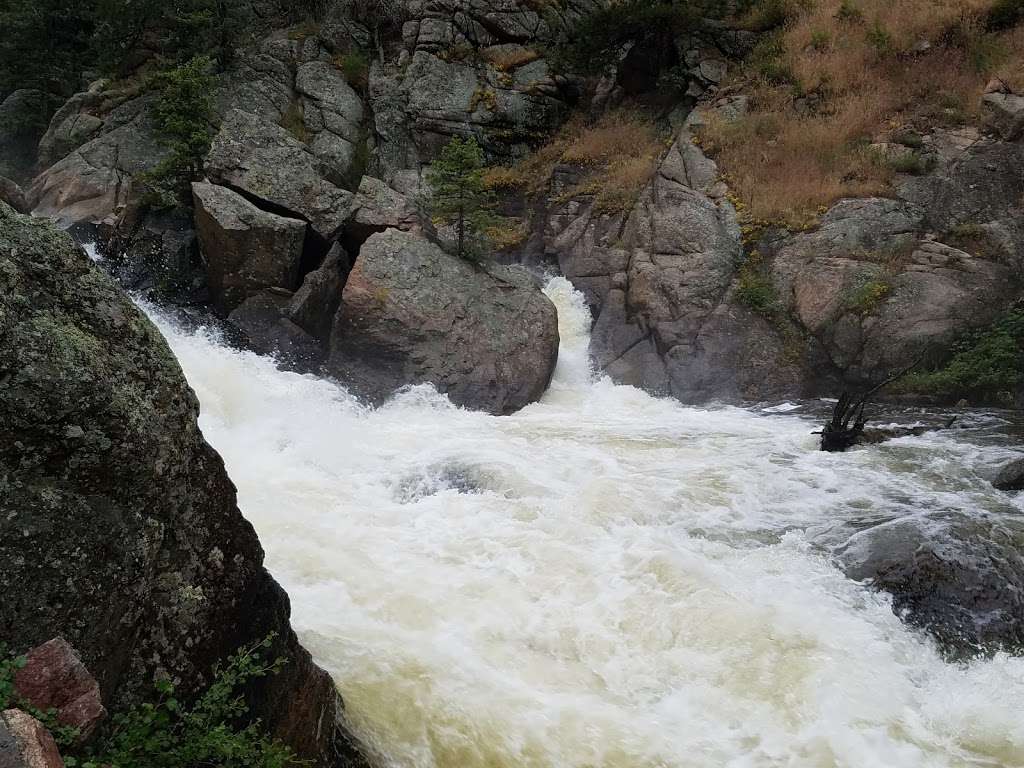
[119, 528]
[245, 249]
[960, 579]
[412, 314]
[267, 164]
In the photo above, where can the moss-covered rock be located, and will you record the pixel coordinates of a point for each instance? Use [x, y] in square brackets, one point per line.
[119, 528]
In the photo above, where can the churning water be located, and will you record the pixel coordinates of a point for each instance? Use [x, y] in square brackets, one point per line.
[604, 579]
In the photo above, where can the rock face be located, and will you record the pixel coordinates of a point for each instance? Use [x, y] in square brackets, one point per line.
[962, 580]
[470, 69]
[139, 555]
[25, 743]
[876, 285]
[245, 249]
[95, 180]
[264, 162]
[411, 313]
[332, 113]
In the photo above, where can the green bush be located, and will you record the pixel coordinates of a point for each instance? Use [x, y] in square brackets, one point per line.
[355, 66]
[756, 292]
[911, 163]
[983, 364]
[768, 61]
[167, 733]
[867, 295]
[183, 115]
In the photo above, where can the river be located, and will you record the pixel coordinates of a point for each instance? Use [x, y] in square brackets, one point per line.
[604, 579]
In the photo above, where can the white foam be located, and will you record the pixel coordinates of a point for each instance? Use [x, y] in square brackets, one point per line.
[611, 579]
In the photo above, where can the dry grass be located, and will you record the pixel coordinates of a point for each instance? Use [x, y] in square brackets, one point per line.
[844, 73]
[507, 59]
[618, 154]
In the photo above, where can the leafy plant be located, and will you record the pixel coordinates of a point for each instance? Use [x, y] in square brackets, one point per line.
[755, 290]
[867, 295]
[459, 195]
[984, 363]
[167, 733]
[355, 67]
[911, 163]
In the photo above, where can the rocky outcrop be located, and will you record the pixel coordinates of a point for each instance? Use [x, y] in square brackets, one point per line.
[876, 285]
[268, 165]
[962, 580]
[25, 742]
[95, 181]
[244, 248]
[1005, 114]
[412, 314]
[475, 69]
[119, 528]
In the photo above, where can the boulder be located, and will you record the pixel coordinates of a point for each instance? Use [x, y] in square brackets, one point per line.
[412, 314]
[245, 249]
[960, 579]
[1004, 113]
[140, 557]
[154, 250]
[25, 742]
[1010, 477]
[54, 678]
[268, 165]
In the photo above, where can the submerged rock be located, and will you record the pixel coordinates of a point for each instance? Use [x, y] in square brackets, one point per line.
[119, 528]
[412, 314]
[1010, 477]
[961, 580]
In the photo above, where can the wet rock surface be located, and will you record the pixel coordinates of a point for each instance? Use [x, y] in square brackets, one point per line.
[960, 579]
[139, 555]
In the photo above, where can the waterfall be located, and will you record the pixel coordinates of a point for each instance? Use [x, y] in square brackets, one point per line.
[604, 579]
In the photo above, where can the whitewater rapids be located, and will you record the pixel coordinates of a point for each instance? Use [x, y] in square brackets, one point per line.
[602, 580]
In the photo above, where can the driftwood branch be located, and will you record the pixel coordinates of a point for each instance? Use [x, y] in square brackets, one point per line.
[846, 427]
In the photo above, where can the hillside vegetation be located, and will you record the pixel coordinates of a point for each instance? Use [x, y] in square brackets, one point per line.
[840, 75]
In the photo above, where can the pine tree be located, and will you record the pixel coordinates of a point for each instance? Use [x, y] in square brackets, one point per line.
[459, 196]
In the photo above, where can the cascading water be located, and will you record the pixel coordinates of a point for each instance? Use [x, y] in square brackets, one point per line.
[604, 579]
